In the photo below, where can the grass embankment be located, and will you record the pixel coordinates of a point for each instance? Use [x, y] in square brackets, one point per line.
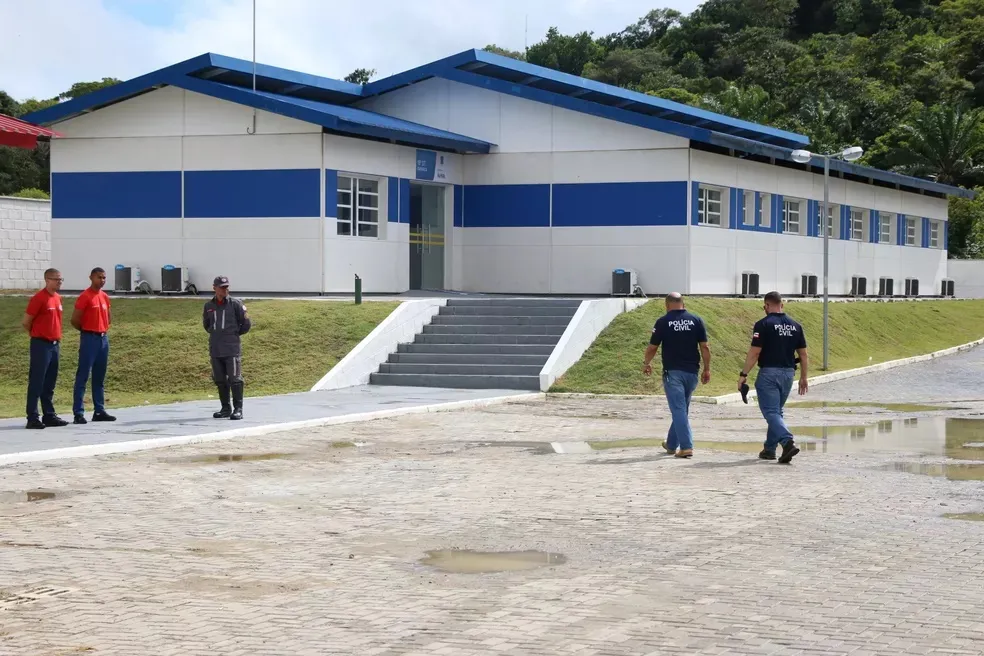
[860, 334]
[159, 351]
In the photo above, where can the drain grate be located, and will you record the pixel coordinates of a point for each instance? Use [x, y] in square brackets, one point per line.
[10, 601]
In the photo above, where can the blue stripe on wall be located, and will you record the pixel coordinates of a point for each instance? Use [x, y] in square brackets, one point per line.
[393, 200]
[873, 230]
[404, 200]
[459, 208]
[507, 206]
[732, 208]
[268, 193]
[694, 203]
[117, 195]
[946, 237]
[812, 207]
[620, 204]
[925, 232]
[331, 193]
[845, 222]
[777, 215]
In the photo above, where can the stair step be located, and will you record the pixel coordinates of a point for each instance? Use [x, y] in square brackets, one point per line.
[525, 302]
[480, 338]
[468, 359]
[483, 350]
[441, 329]
[461, 369]
[457, 381]
[507, 310]
[480, 320]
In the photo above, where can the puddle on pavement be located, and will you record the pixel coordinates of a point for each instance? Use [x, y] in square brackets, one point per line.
[487, 562]
[229, 457]
[967, 517]
[28, 496]
[537, 448]
[892, 407]
[958, 438]
[950, 471]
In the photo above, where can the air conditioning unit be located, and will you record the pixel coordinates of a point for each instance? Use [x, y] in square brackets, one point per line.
[624, 282]
[886, 287]
[859, 286]
[175, 280]
[947, 289]
[749, 283]
[912, 287]
[127, 280]
[808, 284]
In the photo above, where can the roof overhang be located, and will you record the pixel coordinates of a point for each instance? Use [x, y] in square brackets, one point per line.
[21, 134]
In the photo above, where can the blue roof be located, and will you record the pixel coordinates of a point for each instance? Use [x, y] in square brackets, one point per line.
[329, 103]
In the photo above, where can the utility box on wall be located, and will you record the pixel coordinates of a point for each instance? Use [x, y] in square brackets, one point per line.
[749, 283]
[624, 282]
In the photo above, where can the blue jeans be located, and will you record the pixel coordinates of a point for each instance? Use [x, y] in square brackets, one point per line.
[42, 377]
[773, 386]
[679, 386]
[93, 358]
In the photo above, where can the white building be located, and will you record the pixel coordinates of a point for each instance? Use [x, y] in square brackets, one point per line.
[474, 173]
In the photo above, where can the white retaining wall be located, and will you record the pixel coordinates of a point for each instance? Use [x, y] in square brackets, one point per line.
[25, 242]
[968, 277]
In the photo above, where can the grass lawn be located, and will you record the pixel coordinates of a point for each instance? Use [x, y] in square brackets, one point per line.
[159, 350]
[860, 334]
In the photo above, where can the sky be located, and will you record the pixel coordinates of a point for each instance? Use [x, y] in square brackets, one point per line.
[47, 45]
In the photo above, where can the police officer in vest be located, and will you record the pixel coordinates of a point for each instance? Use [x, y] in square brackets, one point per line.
[681, 334]
[776, 342]
[225, 319]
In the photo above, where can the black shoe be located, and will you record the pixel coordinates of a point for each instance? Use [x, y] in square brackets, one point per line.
[35, 424]
[79, 419]
[224, 413]
[103, 416]
[767, 455]
[237, 401]
[789, 449]
[226, 402]
[53, 421]
[237, 414]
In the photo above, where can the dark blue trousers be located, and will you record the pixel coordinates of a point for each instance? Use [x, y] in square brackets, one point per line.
[42, 376]
[93, 358]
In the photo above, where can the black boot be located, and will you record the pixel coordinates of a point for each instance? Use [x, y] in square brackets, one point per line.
[237, 401]
[226, 410]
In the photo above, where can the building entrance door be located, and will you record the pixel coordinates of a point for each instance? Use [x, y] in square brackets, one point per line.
[427, 236]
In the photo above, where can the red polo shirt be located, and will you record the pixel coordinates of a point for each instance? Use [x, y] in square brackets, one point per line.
[95, 310]
[46, 308]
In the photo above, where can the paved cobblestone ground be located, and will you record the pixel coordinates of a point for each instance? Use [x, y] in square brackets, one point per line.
[317, 552]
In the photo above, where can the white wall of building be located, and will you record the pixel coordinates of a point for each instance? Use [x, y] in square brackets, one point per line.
[25, 242]
[968, 277]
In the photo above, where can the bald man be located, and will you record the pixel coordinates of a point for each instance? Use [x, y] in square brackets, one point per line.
[684, 340]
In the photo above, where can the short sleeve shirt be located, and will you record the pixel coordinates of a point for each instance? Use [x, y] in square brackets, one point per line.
[779, 337]
[47, 312]
[95, 310]
[679, 332]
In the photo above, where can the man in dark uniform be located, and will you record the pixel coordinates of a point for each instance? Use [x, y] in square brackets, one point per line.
[776, 342]
[225, 319]
[681, 334]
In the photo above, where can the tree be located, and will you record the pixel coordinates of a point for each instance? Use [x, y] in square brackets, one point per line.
[944, 142]
[645, 33]
[505, 52]
[83, 88]
[750, 104]
[966, 238]
[568, 54]
[360, 75]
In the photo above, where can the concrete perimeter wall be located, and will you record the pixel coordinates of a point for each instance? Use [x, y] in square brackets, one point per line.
[25, 242]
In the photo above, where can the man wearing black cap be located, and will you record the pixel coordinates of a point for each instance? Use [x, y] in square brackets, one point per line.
[225, 319]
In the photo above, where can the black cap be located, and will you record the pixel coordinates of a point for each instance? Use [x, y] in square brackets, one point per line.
[220, 281]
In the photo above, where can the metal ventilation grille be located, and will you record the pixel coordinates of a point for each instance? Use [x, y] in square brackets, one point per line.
[10, 601]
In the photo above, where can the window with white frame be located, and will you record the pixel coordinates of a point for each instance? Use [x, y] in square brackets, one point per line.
[831, 213]
[765, 211]
[791, 217]
[884, 228]
[857, 225]
[358, 206]
[910, 231]
[748, 208]
[934, 234]
[709, 206]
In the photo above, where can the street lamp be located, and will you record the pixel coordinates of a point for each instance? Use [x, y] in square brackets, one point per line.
[804, 157]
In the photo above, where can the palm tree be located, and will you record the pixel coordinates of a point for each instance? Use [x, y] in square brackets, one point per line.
[943, 142]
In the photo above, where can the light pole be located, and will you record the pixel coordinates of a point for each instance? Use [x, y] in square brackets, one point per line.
[803, 157]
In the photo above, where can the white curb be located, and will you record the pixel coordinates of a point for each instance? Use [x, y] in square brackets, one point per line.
[253, 431]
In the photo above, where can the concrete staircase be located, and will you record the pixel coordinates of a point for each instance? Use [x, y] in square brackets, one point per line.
[481, 343]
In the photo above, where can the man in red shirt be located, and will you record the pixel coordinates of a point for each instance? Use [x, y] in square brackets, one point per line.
[43, 320]
[92, 318]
